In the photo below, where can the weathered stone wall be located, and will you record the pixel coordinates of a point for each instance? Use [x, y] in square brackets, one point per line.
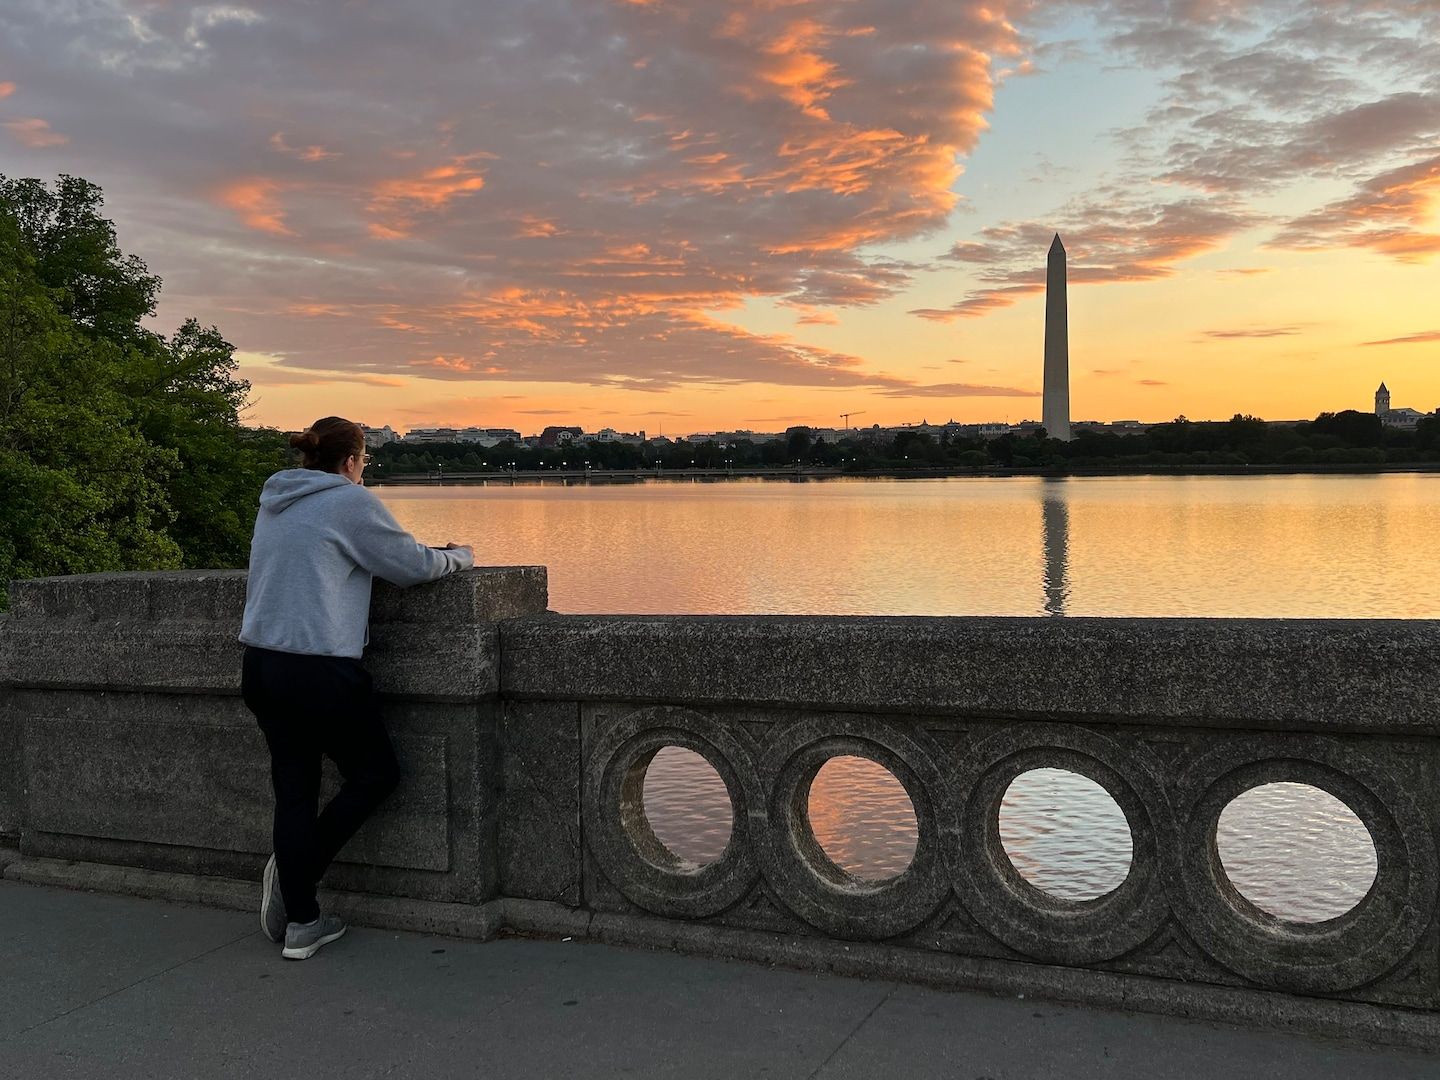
[1174, 718]
[134, 748]
[9, 761]
[525, 738]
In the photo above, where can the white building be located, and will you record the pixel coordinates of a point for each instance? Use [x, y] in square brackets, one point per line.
[379, 436]
[610, 435]
[430, 435]
[487, 436]
[1396, 418]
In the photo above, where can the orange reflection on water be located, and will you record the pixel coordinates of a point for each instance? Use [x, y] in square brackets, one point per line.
[1264, 546]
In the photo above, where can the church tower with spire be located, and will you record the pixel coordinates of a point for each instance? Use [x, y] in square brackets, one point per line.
[1382, 400]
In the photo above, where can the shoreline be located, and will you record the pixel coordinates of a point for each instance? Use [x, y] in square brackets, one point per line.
[946, 472]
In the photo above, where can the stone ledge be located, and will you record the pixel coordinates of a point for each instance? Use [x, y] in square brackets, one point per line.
[1363, 676]
[478, 921]
[481, 595]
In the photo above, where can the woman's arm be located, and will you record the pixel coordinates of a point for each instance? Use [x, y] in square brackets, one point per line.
[377, 542]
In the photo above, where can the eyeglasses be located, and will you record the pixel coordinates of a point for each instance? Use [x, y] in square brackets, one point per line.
[365, 459]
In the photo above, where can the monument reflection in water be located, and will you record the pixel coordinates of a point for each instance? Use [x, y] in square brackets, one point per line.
[1293, 850]
[1055, 539]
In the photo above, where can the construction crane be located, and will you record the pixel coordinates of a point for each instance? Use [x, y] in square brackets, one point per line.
[846, 417]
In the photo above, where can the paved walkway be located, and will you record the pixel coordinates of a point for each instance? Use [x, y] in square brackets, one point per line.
[105, 986]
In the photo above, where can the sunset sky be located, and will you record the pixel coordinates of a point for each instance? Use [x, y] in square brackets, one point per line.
[708, 214]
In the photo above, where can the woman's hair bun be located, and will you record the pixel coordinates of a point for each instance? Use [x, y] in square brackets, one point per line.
[326, 443]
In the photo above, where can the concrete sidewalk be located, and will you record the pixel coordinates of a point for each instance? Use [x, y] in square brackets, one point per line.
[105, 986]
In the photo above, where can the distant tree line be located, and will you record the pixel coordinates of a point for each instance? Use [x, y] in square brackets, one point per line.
[1343, 438]
[120, 448]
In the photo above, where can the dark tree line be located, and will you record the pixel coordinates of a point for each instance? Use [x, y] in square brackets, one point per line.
[1344, 438]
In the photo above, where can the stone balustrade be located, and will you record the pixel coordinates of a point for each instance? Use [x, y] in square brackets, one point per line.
[127, 761]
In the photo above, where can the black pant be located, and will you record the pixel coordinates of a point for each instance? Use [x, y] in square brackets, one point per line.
[309, 706]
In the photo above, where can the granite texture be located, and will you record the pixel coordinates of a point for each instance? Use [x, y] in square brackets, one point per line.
[1175, 916]
[1310, 675]
[539, 827]
[10, 784]
[123, 739]
[176, 631]
[525, 738]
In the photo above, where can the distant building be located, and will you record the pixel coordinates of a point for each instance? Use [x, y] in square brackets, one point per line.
[487, 436]
[379, 436]
[610, 435]
[431, 435]
[555, 435]
[1403, 418]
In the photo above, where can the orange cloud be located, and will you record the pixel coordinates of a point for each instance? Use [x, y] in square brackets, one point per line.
[397, 201]
[6, 89]
[459, 364]
[973, 307]
[813, 317]
[537, 227]
[280, 376]
[34, 132]
[1386, 214]
[1106, 242]
[254, 199]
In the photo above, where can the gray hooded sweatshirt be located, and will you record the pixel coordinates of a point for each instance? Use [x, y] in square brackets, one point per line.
[319, 540]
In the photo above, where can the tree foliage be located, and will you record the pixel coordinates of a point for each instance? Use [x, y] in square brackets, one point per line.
[120, 449]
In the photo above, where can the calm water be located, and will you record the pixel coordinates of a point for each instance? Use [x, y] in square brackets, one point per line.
[1276, 546]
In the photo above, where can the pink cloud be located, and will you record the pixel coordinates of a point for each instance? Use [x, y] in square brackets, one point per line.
[34, 132]
[6, 89]
[255, 199]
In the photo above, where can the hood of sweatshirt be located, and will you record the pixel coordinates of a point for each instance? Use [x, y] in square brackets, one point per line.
[285, 489]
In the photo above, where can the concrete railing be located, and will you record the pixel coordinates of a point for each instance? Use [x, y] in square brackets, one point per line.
[525, 737]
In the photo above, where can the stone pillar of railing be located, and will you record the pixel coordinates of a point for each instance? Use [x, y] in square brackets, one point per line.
[131, 761]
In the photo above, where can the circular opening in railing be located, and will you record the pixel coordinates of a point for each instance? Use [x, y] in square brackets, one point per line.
[862, 818]
[687, 805]
[1064, 834]
[1296, 851]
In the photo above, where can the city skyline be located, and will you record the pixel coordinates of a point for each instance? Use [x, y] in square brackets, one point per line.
[743, 215]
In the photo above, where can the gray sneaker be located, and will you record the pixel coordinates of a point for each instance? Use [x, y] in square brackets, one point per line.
[272, 904]
[303, 940]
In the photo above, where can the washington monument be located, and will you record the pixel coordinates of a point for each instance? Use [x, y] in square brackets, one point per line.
[1056, 412]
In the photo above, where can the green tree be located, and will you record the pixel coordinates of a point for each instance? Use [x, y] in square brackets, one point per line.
[119, 450]
[1351, 427]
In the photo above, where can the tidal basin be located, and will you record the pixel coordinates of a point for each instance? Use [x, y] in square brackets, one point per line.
[1290, 547]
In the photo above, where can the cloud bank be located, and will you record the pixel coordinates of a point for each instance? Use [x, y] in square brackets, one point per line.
[549, 190]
